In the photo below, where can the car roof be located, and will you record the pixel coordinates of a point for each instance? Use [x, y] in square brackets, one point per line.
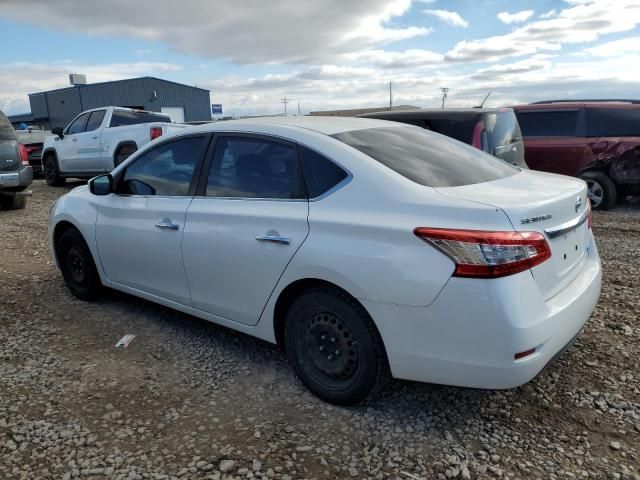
[559, 105]
[428, 113]
[320, 124]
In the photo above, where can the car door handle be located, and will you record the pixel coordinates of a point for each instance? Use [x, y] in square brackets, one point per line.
[95, 137]
[167, 225]
[74, 139]
[274, 239]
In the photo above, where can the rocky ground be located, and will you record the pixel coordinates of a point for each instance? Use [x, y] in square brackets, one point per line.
[189, 399]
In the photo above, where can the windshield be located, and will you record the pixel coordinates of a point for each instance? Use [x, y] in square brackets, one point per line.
[427, 158]
[6, 130]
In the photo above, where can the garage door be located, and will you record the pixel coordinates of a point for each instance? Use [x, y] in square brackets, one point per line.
[176, 113]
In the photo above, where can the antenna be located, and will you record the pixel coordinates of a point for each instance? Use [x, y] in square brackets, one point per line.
[485, 99]
[444, 91]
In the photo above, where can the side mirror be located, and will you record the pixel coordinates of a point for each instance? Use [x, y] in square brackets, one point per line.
[101, 185]
[59, 131]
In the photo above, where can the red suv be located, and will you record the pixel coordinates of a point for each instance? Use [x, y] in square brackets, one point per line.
[598, 141]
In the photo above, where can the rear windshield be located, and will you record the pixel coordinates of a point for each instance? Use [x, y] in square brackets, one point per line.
[123, 117]
[502, 129]
[6, 130]
[426, 158]
[613, 122]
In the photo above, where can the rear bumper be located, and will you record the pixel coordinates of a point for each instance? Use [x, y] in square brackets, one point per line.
[469, 335]
[16, 180]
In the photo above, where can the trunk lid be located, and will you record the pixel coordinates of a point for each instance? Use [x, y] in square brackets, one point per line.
[553, 205]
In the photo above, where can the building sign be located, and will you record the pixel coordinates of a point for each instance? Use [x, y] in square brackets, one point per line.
[216, 108]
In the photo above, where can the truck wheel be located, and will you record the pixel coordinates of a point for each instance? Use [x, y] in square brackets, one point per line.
[52, 173]
[123, 153]
[13, 202]
[601, 190]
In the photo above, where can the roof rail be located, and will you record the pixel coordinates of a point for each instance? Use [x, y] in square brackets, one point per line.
[588, 100]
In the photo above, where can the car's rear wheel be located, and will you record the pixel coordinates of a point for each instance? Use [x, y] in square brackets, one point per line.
[77, 265]
[123, 153]
[52, 172]
[601, 190]
[334, 346]
[13, 202]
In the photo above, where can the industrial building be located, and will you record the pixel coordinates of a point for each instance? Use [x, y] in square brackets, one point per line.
[56, 108]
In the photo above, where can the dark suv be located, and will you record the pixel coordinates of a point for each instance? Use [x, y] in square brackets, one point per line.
[494, 130]
[15, 173]
[598, 141]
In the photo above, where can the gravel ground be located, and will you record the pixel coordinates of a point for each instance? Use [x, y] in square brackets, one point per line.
[189, 399]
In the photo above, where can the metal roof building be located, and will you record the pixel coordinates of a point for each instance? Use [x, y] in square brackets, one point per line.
[56, 108]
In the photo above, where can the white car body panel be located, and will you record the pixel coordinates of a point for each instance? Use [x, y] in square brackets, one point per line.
[435, 327]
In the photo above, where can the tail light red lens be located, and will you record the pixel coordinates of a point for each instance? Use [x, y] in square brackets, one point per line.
[24, 156]
[155, 132]
[485, 254]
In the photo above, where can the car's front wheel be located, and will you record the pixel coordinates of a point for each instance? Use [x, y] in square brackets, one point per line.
[334, 346]
[601, 190]
[77, 265]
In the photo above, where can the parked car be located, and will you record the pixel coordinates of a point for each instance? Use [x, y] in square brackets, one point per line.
[15, 173]
[98, 140]
[492, 130]
[362, 247]
[32, 138]
[598, 141]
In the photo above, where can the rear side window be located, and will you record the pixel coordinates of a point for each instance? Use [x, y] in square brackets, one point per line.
[166, 170]
[426, 158]
[125, 117]
[95, 120]
[561, 123]
[320, 173]
[246, 167]
[613, 122]
[6, 130]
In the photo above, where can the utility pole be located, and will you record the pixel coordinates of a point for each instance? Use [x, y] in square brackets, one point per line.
[390, 97]
[444, 90]
[285, 101]
[298, 108]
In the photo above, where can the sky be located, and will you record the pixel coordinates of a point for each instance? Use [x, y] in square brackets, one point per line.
[328, 54]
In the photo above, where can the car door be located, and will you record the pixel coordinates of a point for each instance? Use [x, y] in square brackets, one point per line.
[248, 219]
[139, 229]
[89, 144]
[67, 147]
[553, 139]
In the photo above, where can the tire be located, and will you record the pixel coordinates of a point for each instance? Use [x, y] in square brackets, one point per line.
[334, 347]
[77, 266]
[13, 202]
[601, 190]
[52, 172]
[123, 153]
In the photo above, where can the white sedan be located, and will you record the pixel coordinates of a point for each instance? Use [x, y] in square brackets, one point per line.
[364, 248]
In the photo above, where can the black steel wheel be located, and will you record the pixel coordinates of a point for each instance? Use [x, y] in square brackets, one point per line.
[51, 172]
[334, 346]
[77, 266]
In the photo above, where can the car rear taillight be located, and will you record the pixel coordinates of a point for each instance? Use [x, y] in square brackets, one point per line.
[24, 156]
[477, 135]
[483, 254]
[155, 132]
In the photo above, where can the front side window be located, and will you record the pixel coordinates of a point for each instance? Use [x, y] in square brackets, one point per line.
[95, 120]
[78, 124]
[613, 122]
[249, 167]
[425, 157]
[560, 123]
[166, 170]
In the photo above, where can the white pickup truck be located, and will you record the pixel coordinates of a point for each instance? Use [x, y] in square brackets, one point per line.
[98, 140]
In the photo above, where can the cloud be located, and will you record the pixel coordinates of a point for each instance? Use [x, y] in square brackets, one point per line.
[451, 18]
[616, 48]
[247, 32]
[578, 24]
[550, 14]
[519, 17]
[413, 58]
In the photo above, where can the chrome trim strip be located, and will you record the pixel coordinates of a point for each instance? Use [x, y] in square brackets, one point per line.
[567, 226]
